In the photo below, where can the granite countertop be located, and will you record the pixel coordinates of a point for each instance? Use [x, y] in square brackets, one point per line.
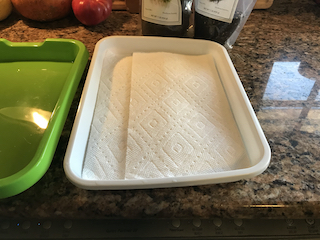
[277, 57]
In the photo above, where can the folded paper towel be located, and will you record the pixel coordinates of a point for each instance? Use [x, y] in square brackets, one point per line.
[180, 122]
[175, 120]
[106, 149]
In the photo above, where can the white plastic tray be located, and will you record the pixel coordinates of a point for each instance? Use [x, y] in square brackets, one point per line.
[249, 127]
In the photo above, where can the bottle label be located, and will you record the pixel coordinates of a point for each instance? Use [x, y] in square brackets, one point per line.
[163, 12]
[222, 10]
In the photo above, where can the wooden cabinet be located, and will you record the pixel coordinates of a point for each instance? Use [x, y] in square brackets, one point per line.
[130, 5]
[133, 6]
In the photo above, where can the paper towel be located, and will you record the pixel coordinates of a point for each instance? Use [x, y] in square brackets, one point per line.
[106, 149]
[161, 115]
[180, 122]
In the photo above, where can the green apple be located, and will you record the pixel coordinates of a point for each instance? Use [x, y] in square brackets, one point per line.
[5, 9]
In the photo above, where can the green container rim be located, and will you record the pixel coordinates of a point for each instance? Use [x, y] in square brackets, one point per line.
[38, 166]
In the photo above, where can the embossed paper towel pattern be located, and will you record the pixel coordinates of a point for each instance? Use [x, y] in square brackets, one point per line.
[180, 122]
[106, 150]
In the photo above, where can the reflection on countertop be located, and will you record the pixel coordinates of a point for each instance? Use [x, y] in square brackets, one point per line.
[290, 100]
[286, 83]
[277, 57]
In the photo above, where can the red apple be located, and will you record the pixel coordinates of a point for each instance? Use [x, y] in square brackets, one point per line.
[91, 12]
[43, 10]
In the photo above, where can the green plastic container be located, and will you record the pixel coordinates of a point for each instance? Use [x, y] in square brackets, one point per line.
[37, 84]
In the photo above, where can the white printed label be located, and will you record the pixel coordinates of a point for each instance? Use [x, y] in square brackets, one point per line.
[222, 10]
[162, 12]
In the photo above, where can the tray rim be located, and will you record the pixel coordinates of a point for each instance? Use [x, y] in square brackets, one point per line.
[38, 166]
[219, 177]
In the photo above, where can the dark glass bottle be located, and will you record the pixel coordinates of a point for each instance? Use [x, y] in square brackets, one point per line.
[215, 30]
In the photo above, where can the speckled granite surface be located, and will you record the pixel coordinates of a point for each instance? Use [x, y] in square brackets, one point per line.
[277, 57]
